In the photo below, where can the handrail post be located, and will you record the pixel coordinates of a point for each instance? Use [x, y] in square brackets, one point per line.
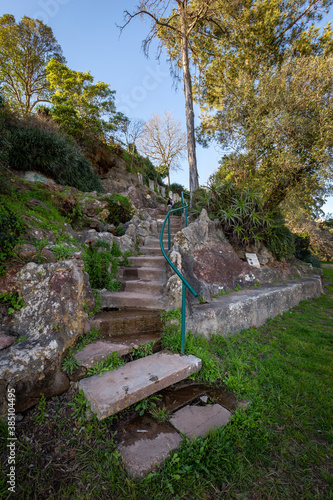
[185, 284]
[183, 316]
[169, 242]
[186, 216]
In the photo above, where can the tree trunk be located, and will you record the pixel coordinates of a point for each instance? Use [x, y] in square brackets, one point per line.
[192, 158]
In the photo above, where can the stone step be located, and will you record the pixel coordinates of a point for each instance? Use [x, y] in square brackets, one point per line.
[118, 389]
[153, 242]
[144, 273]
[131, 300]
[122, 344]
[146, 250]
[148, 261]
[128, 322]
[155, 287]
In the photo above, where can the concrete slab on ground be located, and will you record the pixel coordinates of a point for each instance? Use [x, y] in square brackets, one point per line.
[198, 421]
[118, 389]
[144, 444]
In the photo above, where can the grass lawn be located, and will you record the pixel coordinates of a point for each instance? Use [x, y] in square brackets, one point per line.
[280, 447]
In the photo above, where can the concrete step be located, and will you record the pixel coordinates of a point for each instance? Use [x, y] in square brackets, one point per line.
[148, 261]
[146, 250]
[122, 344]
[144, 273]
[155, 287]
[118, 389]
[128, 322]
[153, 242]
[131, 300]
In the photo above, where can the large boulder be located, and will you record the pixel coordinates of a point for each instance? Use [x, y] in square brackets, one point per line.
[56, 296]
[211, 265]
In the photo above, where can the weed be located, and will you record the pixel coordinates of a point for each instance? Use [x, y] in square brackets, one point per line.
[101, 263]
[90, 337]
[143, 350]
[198, 346]
[110, 363]
[63, 251]
[147, 404]
[79, 405]
[21, 339]
[202, 299]
[220, 294]
[12, 300]
[69, 363]
[125, 260]
[40, 417]
[160, 413]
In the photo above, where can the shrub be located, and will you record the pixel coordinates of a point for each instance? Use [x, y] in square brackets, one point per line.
[176, 188]
[243, 218]
[101, 263]
[302, 250]
[280, 241]
[5, 144]
[52, 154]
[11, 230]
[120, 209]
[149, 172]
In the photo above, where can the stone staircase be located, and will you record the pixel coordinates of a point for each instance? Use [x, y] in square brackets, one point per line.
[131, 318]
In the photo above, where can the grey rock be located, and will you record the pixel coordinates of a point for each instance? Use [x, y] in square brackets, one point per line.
[25, 251]
[55, 295]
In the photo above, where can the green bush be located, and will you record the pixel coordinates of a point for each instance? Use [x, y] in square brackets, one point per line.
[52, 154]
[101, 263]
[11, 230]
[149, 172]
[176, 188]
[5, 144]
[302, 250]
[120, 209]
[280, 241]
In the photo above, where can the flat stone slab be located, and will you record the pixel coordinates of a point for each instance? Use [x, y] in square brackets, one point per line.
[252, 307]
[118, 389]
[197, 421]
[144, 444]
[101, 349]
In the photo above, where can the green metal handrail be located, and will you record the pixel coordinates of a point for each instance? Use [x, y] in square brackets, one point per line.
[184, 282]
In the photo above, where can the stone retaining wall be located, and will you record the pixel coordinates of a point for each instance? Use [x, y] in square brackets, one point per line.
[241, 310]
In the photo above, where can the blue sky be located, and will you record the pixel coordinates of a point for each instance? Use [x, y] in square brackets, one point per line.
[90, 39]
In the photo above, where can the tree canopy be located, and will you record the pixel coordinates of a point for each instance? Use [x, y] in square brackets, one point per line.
[265, 88]
[25, 49]
[82, 108]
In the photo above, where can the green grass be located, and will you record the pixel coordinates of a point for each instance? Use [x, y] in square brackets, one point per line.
[280, 447]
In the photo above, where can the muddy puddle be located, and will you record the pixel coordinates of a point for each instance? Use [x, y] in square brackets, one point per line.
[171, 400]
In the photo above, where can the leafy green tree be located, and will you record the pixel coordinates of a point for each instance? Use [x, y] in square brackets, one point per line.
[285, 138]
[80, 106]
[25, 49]
[262, 96]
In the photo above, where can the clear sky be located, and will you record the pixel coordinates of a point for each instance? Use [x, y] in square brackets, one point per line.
[90, 39]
